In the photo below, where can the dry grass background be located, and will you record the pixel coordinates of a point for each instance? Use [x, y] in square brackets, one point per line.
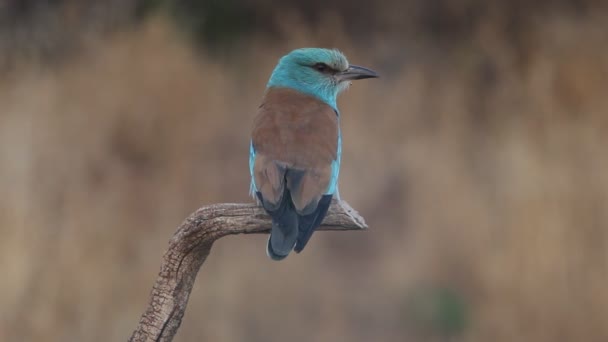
[481, 170]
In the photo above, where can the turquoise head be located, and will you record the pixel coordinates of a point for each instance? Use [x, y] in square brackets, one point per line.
[322, 73]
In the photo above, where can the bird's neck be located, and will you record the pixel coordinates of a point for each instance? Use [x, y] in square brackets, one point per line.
[321, 92]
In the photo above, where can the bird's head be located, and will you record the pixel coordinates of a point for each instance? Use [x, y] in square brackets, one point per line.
[322, 73]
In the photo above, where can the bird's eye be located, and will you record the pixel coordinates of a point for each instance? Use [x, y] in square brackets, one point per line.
[321, 67]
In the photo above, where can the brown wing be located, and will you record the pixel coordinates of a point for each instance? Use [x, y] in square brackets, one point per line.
[295, 137]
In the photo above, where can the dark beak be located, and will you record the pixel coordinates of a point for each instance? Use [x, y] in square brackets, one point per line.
[355, 72]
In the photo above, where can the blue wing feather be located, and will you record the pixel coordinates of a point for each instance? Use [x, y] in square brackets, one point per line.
[335, 168]
[252, 187]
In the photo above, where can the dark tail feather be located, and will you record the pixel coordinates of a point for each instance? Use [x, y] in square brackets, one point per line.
[308, 223]
[284, 230]
[283, 235]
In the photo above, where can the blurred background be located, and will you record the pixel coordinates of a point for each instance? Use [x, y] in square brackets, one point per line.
[478, 160]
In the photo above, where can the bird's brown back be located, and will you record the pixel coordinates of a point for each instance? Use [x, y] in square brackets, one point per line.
[294, 131]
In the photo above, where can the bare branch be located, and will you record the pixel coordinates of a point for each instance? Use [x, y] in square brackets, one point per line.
[189, 248]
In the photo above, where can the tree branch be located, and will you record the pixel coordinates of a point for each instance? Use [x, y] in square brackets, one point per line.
[189, 248]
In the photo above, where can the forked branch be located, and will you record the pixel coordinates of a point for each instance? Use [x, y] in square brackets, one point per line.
[189, 248]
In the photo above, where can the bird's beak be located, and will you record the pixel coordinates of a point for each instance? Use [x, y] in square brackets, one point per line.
[355, 72]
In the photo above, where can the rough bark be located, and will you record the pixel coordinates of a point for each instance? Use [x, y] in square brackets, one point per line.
[190, 246]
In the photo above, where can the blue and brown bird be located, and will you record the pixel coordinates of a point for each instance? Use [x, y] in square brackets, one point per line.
[296, 144]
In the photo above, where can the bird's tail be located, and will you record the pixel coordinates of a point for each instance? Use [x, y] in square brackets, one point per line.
[284, 231]
[308, 223]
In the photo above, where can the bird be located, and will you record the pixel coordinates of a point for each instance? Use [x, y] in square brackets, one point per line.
[296, 144]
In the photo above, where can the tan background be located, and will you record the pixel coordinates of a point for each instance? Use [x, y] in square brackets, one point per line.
[478, 159]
